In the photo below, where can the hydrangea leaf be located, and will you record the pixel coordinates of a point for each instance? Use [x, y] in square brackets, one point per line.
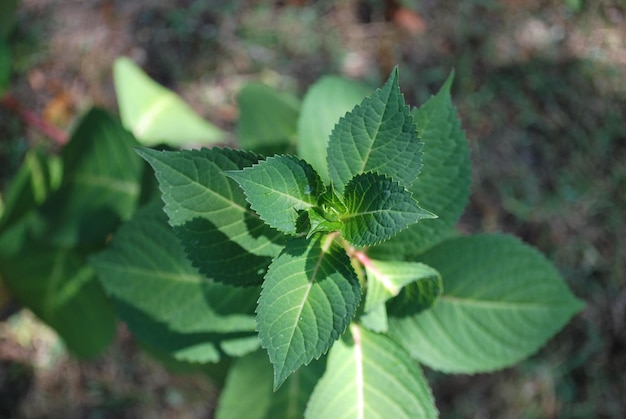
[279, 188]
[378, 135]
[377, 208]
[369, 375]
[502, 301]
[309, 295]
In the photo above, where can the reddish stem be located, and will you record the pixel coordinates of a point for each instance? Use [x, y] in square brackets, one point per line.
[31, 119]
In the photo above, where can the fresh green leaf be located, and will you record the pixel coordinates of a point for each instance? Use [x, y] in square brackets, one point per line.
[267, 119]
[378, 135]
[248, 390]
[209, 211]
[309, 295]
[386, 279]
[375, 319]
[145, 266]
[100, 187]
[502, 301]
[279, 188]
[378, 208]
[62, 290]
[370, 376]
[155, 114]
[444, 183]
[325, 102]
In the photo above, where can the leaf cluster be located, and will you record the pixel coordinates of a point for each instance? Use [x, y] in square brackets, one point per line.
[328, 246]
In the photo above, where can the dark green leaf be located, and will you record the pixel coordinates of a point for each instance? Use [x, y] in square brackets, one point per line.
[378, 208]
[378, 135]
[309, 296]
[279, 188]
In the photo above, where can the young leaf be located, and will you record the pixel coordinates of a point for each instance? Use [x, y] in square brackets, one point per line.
[443, 184]
[155, 114]
[279, 188]
[370, 376]
[267, 118]
[201, 200]
[325, 102]
[63, 291]
[377, 208]
[309, 295]
[248, 390]
[503, 300]
[378, 135]
[386, 279]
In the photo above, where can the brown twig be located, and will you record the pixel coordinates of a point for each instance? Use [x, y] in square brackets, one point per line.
[31, 119]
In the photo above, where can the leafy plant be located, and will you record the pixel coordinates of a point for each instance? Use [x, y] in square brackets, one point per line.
[340, 263]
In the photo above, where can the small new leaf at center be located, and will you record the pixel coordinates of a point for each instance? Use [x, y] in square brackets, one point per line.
[378, 207]
[279, 188]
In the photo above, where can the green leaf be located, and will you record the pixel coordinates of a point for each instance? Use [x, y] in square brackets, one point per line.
[503, 300]
[309, 295]
[325, 102]
[37, 178]
[101, 183]
[155, 114]
[267, 119]
[444, 183]
[145, 267]
[248, 390]
[378, 208]
[209, 212]
[385, 280]
[378, 135]
[375, 319]
[63, 291]
[370, 376]
[279, 188]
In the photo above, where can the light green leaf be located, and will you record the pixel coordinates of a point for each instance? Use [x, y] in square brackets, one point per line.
[309, 295]
[63, 291]
[155, 114]
[386, 279]
[279, 188]
[370, 376]
[325, 102]
[267, 118]
[209, 212]
[145, 267]
[375, 319]
[502, 301]
[101, 183]
[379, 136]
[443, 186]
[248, 390]
[378, 208]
